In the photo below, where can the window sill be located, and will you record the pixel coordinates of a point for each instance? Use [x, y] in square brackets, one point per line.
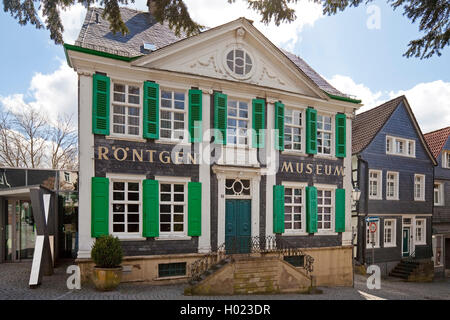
[326, 233]
[171, 278]
[127, 138]
[420, 243]
[375, 198]
[393, 199]
[419, 200]
[162, 238]
[294, 153]
[179, 142]
[129, 238]
[293, 234]
[389, 246]
[324, 156]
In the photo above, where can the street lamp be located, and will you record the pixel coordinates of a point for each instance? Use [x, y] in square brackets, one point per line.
[356, 194]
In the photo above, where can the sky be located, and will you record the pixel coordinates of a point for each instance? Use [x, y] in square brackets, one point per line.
[359, 51]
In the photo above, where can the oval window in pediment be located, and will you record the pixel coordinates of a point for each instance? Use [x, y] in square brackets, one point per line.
[239, 62]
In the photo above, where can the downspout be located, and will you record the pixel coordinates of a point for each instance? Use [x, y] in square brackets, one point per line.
[366, 202]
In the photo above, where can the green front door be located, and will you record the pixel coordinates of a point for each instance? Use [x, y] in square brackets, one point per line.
[405, 249]
[238, 226]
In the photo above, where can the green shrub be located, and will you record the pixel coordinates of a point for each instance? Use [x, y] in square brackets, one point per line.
[107, 252]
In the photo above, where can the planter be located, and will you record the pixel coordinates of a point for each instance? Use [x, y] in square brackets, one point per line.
[106, 279]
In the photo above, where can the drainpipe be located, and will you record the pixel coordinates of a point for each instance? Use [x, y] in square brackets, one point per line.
[366, 202]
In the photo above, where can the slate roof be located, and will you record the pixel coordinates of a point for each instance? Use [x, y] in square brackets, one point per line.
[143, 27]
[367, 124]
[437, 139]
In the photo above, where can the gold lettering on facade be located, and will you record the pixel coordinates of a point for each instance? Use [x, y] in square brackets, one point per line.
[192, 158]
[166, 159]
[299, 170]
[309, 168]
[339, 171]
[319, 169]
[124, 154]
[137, 155]
[150, 155]
[103, 153]
[327, 170]
[287, 167]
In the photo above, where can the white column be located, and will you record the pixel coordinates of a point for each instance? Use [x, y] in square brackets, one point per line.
[254, 189]
[221, 209]
[347, 235]
[86, 164]
[272, 166]
[204, 241]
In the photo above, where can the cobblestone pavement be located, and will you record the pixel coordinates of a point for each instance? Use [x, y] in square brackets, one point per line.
[14, 286]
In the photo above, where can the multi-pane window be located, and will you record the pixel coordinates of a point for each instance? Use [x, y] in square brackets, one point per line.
[446, 159]
[392, 185]
[374, 184]
[438, 194]
[400, 146]
[389, 233]
[293, 129]
[324, 134]
[373, 238]
[293, 209]
[172, 208]
[419, 187]
[172, 115]
[324, 209]
[238, 122]
[420, 231]
[126, 206]
[239, 62]
[126, 109]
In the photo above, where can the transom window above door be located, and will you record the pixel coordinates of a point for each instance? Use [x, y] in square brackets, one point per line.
[237, 187]
[126, 109]
[173, 115]
[238, 122]
[239, 62]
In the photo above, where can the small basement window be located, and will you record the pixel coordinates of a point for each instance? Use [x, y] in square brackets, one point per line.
[171, 269]
[296, 261]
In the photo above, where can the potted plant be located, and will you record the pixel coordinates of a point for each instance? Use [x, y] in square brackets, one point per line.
[107, 255]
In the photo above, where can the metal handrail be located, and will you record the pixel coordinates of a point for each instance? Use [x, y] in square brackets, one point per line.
[249, 245]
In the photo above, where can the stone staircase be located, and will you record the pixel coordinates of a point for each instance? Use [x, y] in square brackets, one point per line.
[412, 270]
[251, 274]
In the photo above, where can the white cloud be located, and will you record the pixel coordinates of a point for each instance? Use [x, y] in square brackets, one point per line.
[213, 13]
[72, 21]
[430, 101]
[51, 94]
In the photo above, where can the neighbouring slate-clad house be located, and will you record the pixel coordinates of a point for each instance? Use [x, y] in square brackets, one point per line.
[394, 167]
[146, 93]
[439, 142]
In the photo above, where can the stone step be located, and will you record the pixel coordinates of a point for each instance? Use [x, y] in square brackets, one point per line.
[399, 275]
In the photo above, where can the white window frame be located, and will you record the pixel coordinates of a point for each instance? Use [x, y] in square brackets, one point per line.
[396, 185]
[301, 186]
[379, 181]
[438, 261]
[126, 105]
[440, 194]
[446, 159]
[393, 141]
[172, 110]
[331, 132]
[332, 188]
[174, 235]
[237, 118]
[424, 232]
[393, 228]
[125, 178]
[292, 126]
[377, 235]
[422, 187]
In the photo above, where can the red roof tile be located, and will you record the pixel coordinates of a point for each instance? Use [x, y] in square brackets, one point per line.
[436, 140]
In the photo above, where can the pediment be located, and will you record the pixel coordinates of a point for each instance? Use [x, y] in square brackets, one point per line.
[208, 55]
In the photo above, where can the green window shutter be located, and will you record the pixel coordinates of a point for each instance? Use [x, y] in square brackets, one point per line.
[279, 125]
[340, 210]
[311, 131]
[195, 115]
[194, 209]
[311, 209]
[278, 209]
[340, 135]
[151, 110]
[100, 104]
[99, 206]
[220, 117]
[150, 192]
[259, 124]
